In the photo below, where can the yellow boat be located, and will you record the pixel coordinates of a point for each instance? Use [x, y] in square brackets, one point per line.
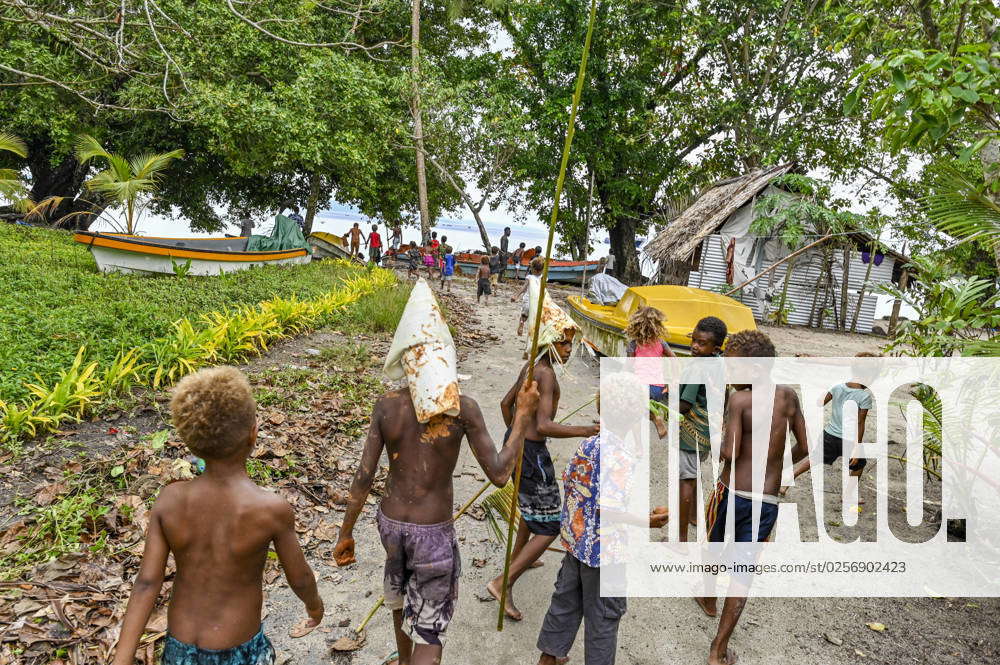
[682, 306]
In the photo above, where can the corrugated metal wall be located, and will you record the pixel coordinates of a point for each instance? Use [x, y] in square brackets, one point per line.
[801, 289]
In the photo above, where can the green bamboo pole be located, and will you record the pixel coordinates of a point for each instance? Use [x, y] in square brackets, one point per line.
[560, 181]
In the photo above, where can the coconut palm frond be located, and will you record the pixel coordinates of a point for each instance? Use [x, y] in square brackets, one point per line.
[151, 165]
[11, 143]
[497, 506]
[87, 148]
[962, 210]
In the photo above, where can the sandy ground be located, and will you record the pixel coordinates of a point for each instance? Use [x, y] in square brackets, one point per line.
[815, 630]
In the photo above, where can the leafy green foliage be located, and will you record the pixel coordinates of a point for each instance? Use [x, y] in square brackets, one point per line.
[955, 315]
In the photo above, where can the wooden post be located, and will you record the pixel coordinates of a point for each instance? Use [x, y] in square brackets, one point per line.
[904, 281]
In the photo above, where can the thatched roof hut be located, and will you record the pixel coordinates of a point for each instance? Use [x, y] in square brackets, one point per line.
[702, 218]
[709, 245]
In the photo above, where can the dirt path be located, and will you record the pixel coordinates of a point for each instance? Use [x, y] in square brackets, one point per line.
[654, 630]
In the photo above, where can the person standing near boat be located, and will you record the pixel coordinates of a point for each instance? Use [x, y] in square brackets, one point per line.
[297, 218]
[504, 253]
[517, 255]
[396, 239]
[374, 242]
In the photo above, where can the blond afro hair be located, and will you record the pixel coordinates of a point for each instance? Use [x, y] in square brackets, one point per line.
[214, 411]
[645, 325]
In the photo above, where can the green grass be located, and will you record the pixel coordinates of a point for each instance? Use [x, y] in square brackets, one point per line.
[53, 300]
[377, 312]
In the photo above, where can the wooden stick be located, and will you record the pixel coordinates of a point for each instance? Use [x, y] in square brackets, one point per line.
[378, 604]
[778, 263]
[560, 181]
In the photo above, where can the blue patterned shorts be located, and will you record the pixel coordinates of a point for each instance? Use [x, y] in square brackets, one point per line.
[255, 651]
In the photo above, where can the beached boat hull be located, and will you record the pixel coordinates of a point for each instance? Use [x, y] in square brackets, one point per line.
[683, 306]
[328, 246]
[567, 272]
[191, 256]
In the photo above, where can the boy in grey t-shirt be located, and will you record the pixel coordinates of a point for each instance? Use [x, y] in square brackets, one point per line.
[833, 433]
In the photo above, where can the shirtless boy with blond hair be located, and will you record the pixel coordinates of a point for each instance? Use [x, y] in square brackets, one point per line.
[219, 527]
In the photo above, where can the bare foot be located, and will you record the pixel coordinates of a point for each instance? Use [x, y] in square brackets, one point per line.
[661, 426]
[509, 609]
[707, 605]
[729, 659]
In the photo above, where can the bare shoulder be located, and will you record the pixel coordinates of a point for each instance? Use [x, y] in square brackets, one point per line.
[171, 496]
[788, 396]
[272, 505]
[740, 399]
[468, 406]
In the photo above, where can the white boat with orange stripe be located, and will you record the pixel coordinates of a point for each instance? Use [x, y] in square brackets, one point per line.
[118, 252]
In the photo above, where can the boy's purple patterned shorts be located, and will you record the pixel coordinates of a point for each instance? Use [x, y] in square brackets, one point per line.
[422, 566]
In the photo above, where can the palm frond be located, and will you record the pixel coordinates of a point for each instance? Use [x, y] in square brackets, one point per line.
[151, 165]
[497, 506]
[11, 143]
[962, 210]
[107, 183]
[87, 148]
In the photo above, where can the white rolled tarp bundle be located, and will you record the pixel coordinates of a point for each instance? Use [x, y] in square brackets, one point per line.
[423, 351]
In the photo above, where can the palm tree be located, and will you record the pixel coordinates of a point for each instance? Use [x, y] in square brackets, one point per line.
[125, 180]
[962, 209]
[12, 188]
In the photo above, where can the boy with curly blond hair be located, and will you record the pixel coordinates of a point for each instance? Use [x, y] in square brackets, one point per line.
[219, 527]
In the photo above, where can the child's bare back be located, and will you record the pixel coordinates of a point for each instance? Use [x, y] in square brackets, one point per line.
[786, 415]
[219, 534]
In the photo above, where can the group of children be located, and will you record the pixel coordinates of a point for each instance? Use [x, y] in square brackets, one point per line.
[220, 526]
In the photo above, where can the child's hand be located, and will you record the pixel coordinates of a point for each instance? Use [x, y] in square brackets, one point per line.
[593, 430]
[343, 553]
[527, 399]
[658, 517]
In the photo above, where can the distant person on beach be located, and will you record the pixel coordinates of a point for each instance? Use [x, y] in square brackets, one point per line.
[413, 256]
[356, 237]
[414, 517]
[430, 257]
[483, 280]
[444, 250]
[219, 527]
[518, 253]
[246, 227]
[535, 269]
[504, 251]
[447, 268]
[374, 243]
[397, 237]
[609, 264]
[495, 268]
[297, 218]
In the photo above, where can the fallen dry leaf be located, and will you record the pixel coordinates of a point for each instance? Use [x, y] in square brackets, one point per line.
[351, 642]
[877, 627]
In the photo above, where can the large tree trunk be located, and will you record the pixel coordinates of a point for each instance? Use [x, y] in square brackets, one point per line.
[312, 203]
[78, 208]
[622, 234]
[418, 123]
[483, 235]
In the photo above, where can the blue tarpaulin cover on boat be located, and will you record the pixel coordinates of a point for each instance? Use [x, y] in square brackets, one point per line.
[285, 235]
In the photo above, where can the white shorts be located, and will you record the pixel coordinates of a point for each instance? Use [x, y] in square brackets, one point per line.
[687, 463]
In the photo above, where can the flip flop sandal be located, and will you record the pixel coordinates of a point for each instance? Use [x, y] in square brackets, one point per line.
[394, 656]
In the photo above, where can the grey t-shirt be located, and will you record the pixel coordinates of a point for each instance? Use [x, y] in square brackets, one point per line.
[842, 393]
